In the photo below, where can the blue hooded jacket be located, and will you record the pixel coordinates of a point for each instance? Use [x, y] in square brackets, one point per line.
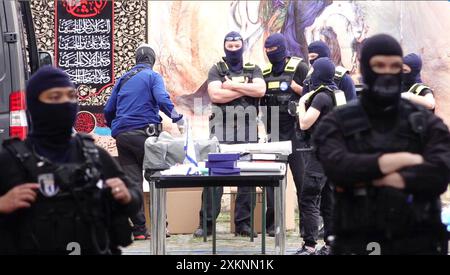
[138, 102]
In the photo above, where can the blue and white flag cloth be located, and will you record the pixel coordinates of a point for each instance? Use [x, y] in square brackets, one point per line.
[189, 146]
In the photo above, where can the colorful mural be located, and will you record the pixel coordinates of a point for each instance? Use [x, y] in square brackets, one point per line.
[187, 37]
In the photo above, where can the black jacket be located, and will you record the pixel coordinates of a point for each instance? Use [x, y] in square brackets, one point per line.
[13, 173]
[345, 168]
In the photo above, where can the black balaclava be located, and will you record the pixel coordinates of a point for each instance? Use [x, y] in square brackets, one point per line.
[234, 59]
[320, 48]
[51, 124]
[382, 93]
[415, 63]
[145, 55]
[323, 73]
[277, 58]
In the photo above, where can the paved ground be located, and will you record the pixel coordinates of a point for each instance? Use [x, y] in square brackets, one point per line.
[227, 243]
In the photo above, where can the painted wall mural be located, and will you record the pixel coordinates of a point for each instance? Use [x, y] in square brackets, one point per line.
[187, 37]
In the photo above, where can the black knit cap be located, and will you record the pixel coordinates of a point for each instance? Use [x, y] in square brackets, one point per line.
[46, 78]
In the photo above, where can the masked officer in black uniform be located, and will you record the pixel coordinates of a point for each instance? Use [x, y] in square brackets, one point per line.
[234, 89]
[282, 77]
[60, 192]
[389, 160]
[342, 79]
[414, 89]
[313, 106]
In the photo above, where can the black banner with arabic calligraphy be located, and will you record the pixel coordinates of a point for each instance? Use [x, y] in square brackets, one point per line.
[84, 47]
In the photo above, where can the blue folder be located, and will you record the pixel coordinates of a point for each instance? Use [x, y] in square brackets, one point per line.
[223, 157]
[224, 171]
[221, 164]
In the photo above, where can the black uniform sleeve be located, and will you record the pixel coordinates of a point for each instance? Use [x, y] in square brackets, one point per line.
[433, 176]
[300, 73]
[12, 172]
[321, 101]
[111, 169]
[341, 166]
[10, 176]
[213, 75]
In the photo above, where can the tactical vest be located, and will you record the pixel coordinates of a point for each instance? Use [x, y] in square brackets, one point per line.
[386, 211]
[278, 88]
[70, 207]
[339, 74]
[418, 88]
[337, 96]
[235, 110]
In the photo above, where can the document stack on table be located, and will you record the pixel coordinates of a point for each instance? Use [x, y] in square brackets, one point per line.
[223, 164]
[245, 164]
[262, 164]
[259, 158]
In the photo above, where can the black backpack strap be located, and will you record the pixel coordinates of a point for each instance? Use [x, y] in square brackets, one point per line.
[249, 69]
[129, 76]
[223, 69]
[23, 154]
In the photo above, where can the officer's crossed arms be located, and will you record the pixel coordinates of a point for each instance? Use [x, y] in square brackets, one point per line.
[230, 90]
[390, 164]
[22, 196]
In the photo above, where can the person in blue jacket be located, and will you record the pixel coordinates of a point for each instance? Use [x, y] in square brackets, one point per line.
[132, 113]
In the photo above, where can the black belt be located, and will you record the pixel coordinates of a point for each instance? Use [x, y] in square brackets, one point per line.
[152, 130]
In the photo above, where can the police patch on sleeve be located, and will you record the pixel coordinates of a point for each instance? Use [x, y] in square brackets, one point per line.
[47, 185]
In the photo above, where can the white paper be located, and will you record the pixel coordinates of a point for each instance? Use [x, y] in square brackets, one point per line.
[261, 166]
[181, 170]
[283, 147]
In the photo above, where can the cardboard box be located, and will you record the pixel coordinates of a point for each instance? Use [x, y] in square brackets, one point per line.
[183, 206]
[257, 212]
[291, 205]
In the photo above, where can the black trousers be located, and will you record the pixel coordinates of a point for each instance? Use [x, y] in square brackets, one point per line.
[287, 131]
[327, 203]
[130, 146]
[297, 166]
[310, 200]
